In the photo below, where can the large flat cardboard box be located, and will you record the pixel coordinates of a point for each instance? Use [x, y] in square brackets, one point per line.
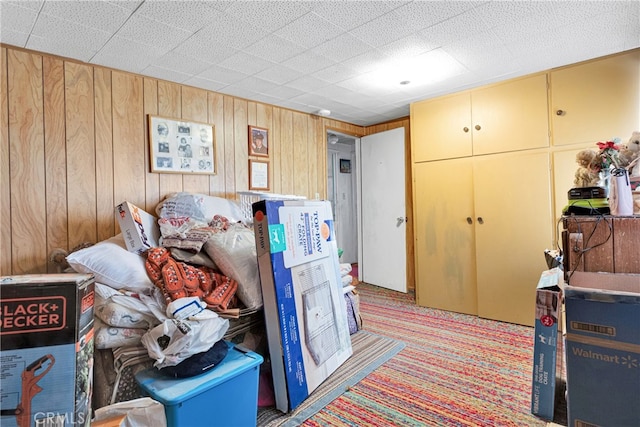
[139, 228]
[603, 349]
[46, 349]
[547, 386]
[305, 313]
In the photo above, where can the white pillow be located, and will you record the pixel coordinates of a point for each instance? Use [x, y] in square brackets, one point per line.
[113, 265]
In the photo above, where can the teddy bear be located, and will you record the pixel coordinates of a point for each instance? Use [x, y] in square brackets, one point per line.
[587, 173]
[630, 153]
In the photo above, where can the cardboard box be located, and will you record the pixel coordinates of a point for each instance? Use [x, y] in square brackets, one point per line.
[603, 349]
[225, 395]
[46, 352]
[307, 328]
[547, 391]
[139, 228]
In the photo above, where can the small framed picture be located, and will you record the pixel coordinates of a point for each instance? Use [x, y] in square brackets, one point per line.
[258, 175]
[345, 166]
[177, 146]
[258, 141]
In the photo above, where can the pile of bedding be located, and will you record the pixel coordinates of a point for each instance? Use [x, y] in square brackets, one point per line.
[207, 247]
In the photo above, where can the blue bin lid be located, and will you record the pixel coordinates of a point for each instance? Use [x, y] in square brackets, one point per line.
[170, 391]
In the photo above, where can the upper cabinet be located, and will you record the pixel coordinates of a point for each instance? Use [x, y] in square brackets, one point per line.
[596, 101]
[505, 117]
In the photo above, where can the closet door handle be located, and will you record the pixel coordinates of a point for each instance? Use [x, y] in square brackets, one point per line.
[480, 220]
[478, 127]
[560, 113]
[465, 129]
[469, 220]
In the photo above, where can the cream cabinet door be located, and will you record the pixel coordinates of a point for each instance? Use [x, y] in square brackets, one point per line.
[441, 128]
[444, 235]
[596, 101]
[513, 228]
[510, 116]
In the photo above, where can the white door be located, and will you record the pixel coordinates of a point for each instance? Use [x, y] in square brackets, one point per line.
[382, 210]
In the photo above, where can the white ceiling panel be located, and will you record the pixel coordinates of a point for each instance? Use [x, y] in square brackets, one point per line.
[308, 55]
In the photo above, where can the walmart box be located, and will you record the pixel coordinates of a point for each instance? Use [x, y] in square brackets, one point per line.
[139, 228]
[603, 349]
[547, 390]
[224, 395]
[46, 349]
[305, 313]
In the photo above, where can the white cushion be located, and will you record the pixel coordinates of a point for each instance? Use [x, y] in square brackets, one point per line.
[113, 265]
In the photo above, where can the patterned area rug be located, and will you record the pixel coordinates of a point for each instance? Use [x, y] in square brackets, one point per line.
[456, 370]
[369, 352]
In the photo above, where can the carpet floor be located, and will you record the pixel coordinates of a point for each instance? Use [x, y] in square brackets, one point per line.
[456, 370]
[369, 352]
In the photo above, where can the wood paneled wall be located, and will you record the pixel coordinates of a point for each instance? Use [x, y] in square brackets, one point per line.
[74, 143]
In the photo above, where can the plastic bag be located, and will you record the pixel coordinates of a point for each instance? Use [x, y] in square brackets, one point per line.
[174, 340]
[234, 252]
[141, 412]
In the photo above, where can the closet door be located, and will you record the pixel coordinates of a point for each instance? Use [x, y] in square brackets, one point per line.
[596, 101]
[444, 235]
[513, 228]
[441, 128]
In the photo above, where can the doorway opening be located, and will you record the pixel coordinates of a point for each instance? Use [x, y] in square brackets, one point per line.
[342, 172]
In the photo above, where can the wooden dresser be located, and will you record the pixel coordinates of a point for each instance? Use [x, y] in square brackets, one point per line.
[601, 243]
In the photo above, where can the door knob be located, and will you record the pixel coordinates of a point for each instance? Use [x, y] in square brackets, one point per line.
[478, 127]
[465, 129]
[469, 220]
[400, 220]
[480, 220]
[560, 113]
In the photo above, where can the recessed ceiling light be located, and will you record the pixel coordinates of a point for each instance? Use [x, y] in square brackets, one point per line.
[425, 69]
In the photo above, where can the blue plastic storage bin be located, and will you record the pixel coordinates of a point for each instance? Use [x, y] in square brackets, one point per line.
[227, 395]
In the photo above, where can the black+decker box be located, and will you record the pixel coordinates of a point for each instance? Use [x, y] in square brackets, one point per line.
[46, 349]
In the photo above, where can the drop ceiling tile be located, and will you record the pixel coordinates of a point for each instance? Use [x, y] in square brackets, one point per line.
[69, 39]
[14, 17]
[342, 47]
[309, 30]
[130, 5]
[147, 31]
[407, 47]
[383, 30]
[308, 62]
[334, 73]
[164, 74]
[205, 84]
[231, 32]
[367, 61]
[351, 14]
[13, 38]
[279, 74]
[100, 14]
[256, 84]
[139, 56]
[274, 49]
[186, 15]
[307, 84]
[201, 45]
[422, 14]
[266, 17]
[283, 92]
[245, 63]
[459, 27]
[179, 62]
[223, 75]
